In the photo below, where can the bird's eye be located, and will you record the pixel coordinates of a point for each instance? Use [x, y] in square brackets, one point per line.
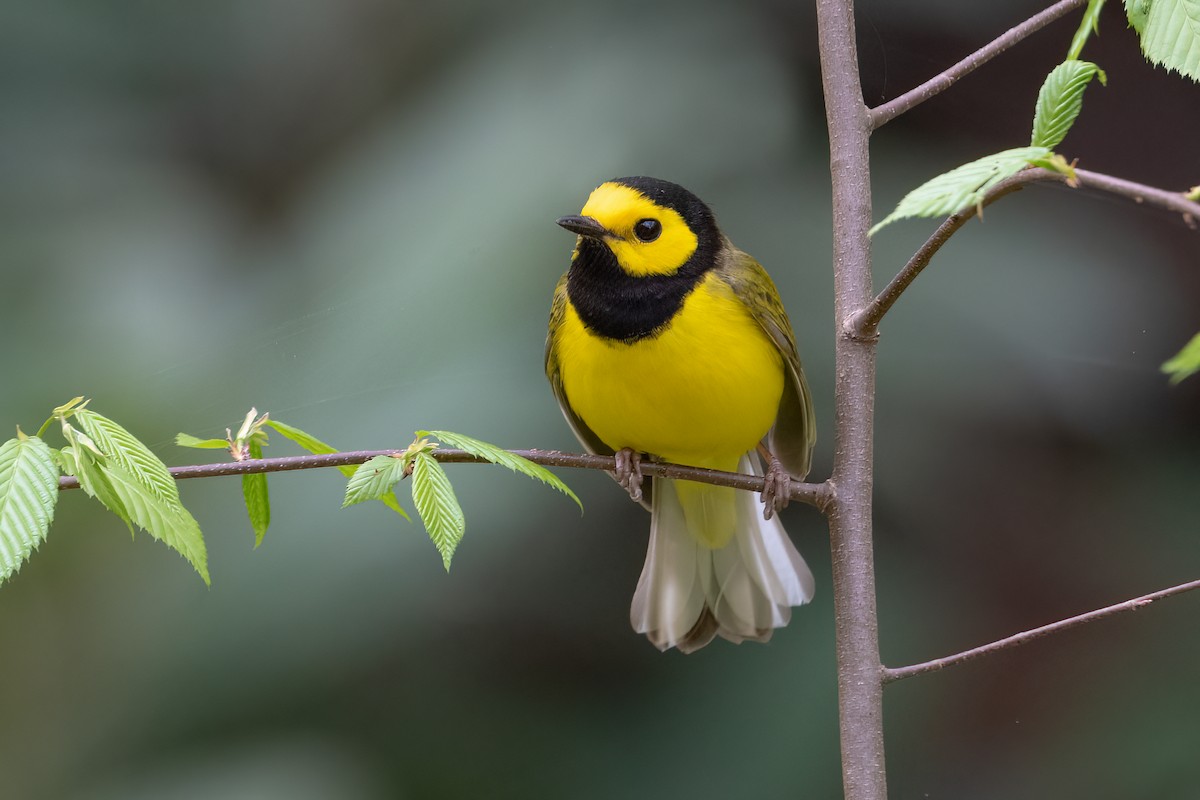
[647, 229]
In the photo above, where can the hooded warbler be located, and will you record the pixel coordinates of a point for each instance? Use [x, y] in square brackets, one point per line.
[667, 340]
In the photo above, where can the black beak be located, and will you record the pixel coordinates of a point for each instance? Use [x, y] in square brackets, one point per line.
[584, 226]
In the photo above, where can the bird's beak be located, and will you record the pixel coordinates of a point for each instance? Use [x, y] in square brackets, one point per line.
[584, 226]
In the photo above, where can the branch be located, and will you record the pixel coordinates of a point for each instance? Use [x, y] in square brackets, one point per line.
[943, 81]
[1019, 639]
[1137, 192]
[865, 323]
[860, 688]
[818, 495]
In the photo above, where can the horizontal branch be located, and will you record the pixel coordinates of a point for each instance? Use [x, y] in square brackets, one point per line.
[1178, 202]
[939, 83]
[819, 495]
[1024, 637]
[865, 323]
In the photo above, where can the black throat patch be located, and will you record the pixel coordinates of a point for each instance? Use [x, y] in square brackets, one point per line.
[616, 305]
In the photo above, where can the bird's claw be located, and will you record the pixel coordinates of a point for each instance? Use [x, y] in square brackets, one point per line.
[777, 488]
[629, 472]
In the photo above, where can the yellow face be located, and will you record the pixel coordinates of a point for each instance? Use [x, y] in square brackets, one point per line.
[646, 238]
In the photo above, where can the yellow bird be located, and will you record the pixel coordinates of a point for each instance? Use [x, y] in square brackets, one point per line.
[667, 340]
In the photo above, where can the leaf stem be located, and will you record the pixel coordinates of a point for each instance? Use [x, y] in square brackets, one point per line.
[882, 114]
[1088, 25]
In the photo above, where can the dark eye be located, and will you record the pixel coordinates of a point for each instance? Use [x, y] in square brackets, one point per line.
[647, 229]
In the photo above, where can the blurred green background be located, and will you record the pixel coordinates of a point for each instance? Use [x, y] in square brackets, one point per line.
[342, 213]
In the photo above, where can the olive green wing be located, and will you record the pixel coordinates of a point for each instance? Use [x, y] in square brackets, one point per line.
[583, 433]
[792, 437]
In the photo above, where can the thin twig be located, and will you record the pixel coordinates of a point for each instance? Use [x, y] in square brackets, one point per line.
[943, 81]
[1137, 192]
[865, 323]
[1018, 639]
[818, 495]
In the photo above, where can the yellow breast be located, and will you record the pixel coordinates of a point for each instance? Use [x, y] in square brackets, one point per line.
[703, 392]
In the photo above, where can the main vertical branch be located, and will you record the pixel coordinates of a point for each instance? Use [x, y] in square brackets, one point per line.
[860, 684]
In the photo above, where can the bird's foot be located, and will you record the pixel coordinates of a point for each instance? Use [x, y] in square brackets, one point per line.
[629, 472]
[777, 486]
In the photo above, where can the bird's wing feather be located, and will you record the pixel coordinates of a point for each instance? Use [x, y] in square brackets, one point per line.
[795, 430]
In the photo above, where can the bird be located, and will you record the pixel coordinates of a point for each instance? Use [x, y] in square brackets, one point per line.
[667, 342]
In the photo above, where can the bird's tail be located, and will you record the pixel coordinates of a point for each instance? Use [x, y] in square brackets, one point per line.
[715, 566]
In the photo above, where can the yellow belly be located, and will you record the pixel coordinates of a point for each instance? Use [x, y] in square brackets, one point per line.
[703, 392]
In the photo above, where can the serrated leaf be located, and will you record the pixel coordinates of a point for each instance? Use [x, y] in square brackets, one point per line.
[187, 440]
[962, 187]
[258, 502]
[318, 448]
[28, 493]
[439, 509]
[374, 480]
[145, 487]
[1170, 33]
[1060, 100]
[497, 455]
[122, 450]
[1137, 11]
[168, 522]
[89, 470]
[1184, 363]
[86, 463]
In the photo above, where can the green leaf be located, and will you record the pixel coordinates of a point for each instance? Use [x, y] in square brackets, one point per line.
[306, 440]
[1137, 11]
[374, 479]
[439, 509]
[88, 468]
[144, 485]
[1060, 101]
[170, 523]
[125, 451]
[1087, 26]
[496, 455]
[962, 187]
[28, 492]
[258, 502]
[1170, 33]
[187, 440]
[65, 462]
[1186, 362]
[315, 446]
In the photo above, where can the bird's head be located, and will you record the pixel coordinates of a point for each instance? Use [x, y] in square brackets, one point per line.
[651, 226]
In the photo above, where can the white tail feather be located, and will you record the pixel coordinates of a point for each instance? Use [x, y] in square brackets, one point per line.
[689, 592]
[669, 597]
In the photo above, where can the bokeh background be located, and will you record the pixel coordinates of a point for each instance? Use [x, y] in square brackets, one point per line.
[342, 213]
